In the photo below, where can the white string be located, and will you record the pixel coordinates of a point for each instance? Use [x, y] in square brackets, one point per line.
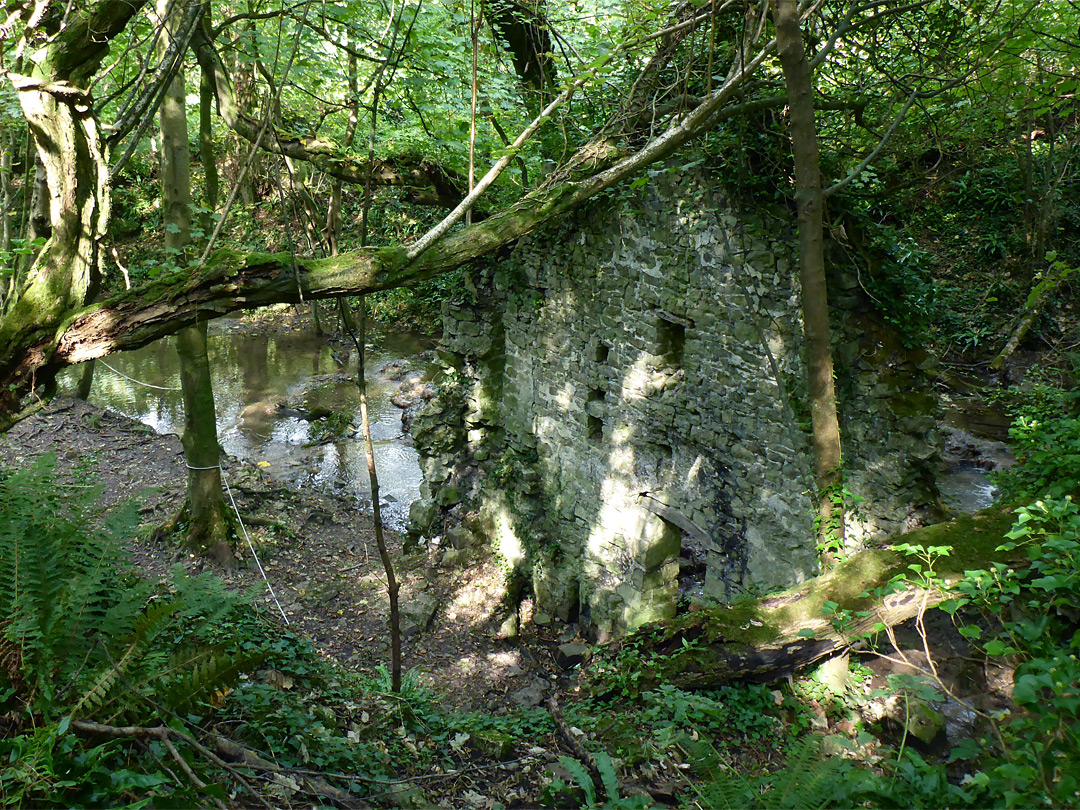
[139, 382]
[243, 528]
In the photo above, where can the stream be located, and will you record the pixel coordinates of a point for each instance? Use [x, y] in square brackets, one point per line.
[264, 384]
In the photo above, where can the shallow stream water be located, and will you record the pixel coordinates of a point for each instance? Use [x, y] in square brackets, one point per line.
[966, 488]
[253, 375]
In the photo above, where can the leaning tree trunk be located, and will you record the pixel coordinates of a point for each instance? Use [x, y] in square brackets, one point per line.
[205, 512]
[75, 332]
[825, 425]
[64, 274]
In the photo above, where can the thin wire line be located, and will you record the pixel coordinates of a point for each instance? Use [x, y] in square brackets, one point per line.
[240, 520]
[137, 382]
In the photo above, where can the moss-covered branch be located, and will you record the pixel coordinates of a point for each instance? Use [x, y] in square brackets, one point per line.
[39, 345]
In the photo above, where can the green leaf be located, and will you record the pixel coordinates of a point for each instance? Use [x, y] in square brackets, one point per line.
[995, 648]
[1026, 689]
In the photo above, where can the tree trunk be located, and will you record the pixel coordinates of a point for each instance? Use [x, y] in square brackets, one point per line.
[333, 214]
[211, 178]
[815, 304]
[72, 187]
[209, 520]
[86, 381]
[1042, 293]
[376, 508]
[7, 208]
[7, 199]
[208, 523]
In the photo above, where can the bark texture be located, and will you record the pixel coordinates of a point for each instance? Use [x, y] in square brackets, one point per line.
[825, 425]
[205, 513]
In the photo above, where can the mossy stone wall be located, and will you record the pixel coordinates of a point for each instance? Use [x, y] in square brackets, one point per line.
[624, 412]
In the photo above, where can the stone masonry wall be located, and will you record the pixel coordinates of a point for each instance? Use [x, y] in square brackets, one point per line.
[622, 413]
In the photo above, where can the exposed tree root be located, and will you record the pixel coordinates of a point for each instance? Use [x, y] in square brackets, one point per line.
[577, 749]
[211, 535]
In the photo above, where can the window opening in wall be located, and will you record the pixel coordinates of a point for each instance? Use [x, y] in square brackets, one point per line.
[672, 339]
[596, 395]
[601, 353]
[594, 428]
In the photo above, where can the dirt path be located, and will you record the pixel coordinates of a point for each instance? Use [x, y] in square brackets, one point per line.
[320, 559]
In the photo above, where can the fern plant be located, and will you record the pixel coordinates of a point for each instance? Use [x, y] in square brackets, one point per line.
[81, 634]
[65, 582]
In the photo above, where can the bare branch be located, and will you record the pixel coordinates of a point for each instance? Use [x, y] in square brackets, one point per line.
[875, 152]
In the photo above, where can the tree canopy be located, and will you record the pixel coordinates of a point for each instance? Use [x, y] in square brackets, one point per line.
[578, 97]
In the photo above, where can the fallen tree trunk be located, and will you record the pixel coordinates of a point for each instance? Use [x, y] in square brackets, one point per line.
[1039, 296]
[231, 281]
[770, 638]
[40, 334]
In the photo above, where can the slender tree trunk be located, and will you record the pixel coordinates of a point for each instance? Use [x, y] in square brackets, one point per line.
[208, 523]
[369, 449]
[333, 214]
[211, 178]
[7, 206]
[246, 95]
[359, 339]
[86, 381]
[815, 303]
[7, 199]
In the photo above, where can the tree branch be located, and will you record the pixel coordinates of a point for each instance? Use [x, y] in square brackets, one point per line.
[835, 187]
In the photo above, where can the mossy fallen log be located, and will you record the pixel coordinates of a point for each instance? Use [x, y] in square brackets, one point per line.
[766, 639]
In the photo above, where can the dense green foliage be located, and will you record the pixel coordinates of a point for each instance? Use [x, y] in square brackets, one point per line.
[1045, 436]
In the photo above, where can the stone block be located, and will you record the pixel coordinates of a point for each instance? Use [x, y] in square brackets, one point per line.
[662, 547]
[448, 496]
[556, 589]
[422, 513]
[461, 538]
[455, 557]
[569, 655]
[417, 613]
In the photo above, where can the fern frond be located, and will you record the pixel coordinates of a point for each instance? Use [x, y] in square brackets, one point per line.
[722, 788]
[581, 778]
[59, 563]
[202, 672]
[148, 625]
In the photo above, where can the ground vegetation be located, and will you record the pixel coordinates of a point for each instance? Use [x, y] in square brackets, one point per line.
[946, 180]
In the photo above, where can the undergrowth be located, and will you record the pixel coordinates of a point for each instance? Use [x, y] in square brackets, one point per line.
[88, 650]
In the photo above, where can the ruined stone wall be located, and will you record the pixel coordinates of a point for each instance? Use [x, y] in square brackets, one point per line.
[624, 411]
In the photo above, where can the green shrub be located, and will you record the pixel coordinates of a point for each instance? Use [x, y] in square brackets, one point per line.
[83, 638]
[1034, 757]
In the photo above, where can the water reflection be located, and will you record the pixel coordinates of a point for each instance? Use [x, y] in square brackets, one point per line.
[254, 374]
